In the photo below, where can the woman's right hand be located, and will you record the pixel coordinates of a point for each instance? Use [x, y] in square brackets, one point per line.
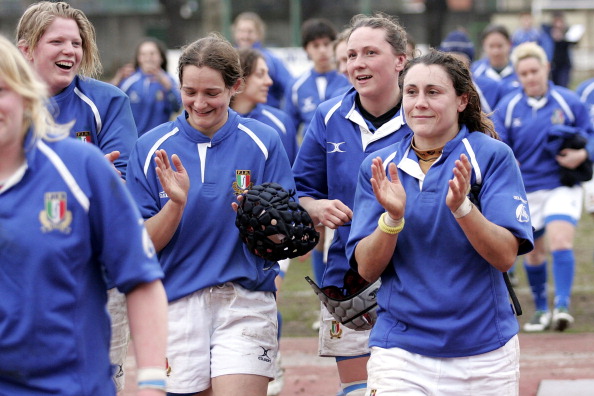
[389, 193]
[175, 182]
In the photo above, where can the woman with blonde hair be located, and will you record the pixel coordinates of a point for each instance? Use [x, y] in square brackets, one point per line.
[67, 221]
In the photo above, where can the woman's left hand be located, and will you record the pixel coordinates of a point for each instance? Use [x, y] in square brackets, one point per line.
[571, 158]
[459, 184]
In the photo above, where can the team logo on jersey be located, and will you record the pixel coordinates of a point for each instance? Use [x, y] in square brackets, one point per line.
[159, 96]
[335, 330]
[56, 215]
[308, 105]
[242, 181]
[522, 214]
[85, 136]
[264, 356]
[336, 147]
[558, 117]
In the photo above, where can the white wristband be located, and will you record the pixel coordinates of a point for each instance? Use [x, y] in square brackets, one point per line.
[463, 209]
[391, 222]
[151, 377]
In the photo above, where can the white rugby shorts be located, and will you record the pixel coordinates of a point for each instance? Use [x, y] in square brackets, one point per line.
[220, 330]
[337, 340]
[589, 196]
[120, 335]
[560, 201]
[396, 372]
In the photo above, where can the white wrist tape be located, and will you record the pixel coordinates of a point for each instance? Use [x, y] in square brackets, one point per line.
[390, 221]
[151, 377]
[463, 209]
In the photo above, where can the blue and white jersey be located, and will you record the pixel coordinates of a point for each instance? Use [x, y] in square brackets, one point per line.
[280, 75]
[280, 121]
[67, 222]
[438, 296]
[507, 78]
[101, 114]
[206, 249]
[327, 164]
[151, 103]
[585, 91]
[308, 91]
[488, 91]
[525, 124]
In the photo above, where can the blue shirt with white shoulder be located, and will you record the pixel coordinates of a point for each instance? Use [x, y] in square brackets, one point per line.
[67, 223]
[206, 249]
[101, 114]
[525, 123]
[327, 164]
[438, 296]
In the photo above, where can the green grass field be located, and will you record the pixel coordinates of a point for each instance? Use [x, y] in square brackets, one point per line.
[299, 305]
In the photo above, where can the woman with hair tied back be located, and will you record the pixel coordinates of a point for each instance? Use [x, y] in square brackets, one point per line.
[439, 217]
[68, 223]
[222, 308]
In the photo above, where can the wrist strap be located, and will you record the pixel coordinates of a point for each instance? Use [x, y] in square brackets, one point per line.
[387, 225]
[463, 209]
[151, 377]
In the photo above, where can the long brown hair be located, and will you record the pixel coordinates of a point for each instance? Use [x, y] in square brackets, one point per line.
[472, 116]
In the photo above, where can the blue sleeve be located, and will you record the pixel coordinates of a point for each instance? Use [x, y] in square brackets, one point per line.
[366, 211]
[498, 119]
[144, 189]
[310, 164]
[119, 237]
[118, 131]
[292, 108]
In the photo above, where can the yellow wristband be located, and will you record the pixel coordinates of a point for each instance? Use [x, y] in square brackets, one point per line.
[386, 228]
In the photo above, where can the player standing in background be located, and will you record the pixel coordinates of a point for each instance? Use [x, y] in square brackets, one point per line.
[531, 121]
[67, 221]
[248, 32]
[322, 81]
[435, 331]
[250, 102]
[59, 42]
[222, 310]
[153, 92]
[496, 64]
[343, 132]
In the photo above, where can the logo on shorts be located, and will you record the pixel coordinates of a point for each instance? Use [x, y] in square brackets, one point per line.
[120, 371]
[264, 356]
[167, 367]
[335, 330]
[242, 181]
[56, 215]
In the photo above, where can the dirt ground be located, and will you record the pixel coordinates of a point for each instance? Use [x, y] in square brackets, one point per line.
[546, 356]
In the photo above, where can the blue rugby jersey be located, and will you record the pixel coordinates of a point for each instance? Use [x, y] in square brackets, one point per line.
[310, 89]
[327, 164]
[102, 115]
[280, 121]
[507, 79]
[438, 296]
[151, 103]
[206, 249]
[524, 125]
[66, 224]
